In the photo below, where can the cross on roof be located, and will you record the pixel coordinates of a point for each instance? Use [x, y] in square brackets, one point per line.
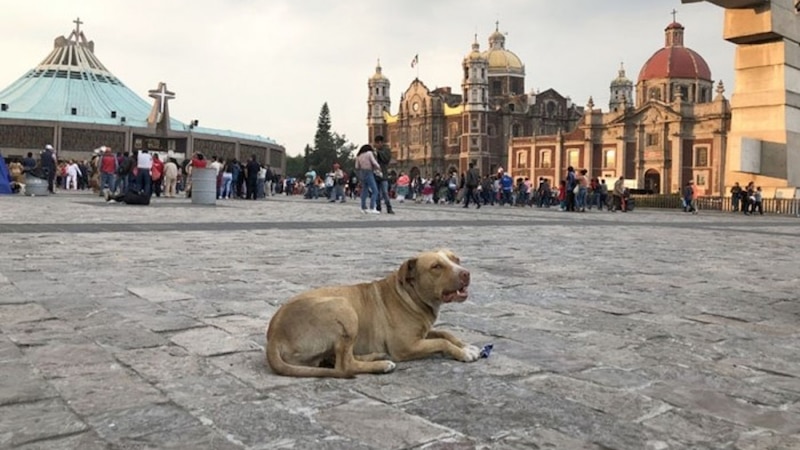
[162, 95]
[78, 24]
[674, 15]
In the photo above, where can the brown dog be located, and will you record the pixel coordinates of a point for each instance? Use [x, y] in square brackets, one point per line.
[341, 331]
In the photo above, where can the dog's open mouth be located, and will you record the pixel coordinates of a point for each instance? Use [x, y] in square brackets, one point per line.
[456, 296]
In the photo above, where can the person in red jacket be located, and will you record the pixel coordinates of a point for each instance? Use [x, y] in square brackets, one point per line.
[157, 174]
[108, 171]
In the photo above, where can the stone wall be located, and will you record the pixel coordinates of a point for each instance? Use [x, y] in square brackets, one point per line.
[76, 139]
[24, 136]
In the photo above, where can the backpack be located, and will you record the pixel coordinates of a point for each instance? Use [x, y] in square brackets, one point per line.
[125, 167]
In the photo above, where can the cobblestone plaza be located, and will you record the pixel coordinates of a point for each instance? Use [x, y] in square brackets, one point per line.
[143, 327]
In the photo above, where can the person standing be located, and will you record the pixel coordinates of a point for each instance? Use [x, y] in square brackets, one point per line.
[144, 163]
[602, 194]
[270, 182]
[384, 156]
[471, 182]
[736, 196]
[366, 164]
[108, 171]
[157, 174]
[73, 172]
[619, 191]
[170, 177]
[571, 191]
[403, 183]
[251, 172]
[48, 164]
[690, 197]
[583, 188]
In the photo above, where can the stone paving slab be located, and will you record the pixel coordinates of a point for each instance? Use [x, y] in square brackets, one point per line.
[143, 327]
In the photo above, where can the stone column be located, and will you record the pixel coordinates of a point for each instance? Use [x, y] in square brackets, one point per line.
[764, 142]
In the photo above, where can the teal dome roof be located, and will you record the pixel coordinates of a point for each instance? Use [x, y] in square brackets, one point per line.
[72, 85]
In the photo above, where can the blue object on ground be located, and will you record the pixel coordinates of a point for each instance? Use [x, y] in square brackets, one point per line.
[486, 350]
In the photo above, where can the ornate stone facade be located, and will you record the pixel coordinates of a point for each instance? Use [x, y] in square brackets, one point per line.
[439, 131]
[676, 131]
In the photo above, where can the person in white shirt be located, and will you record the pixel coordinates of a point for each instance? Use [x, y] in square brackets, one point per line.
[144, 162]
[73, 172]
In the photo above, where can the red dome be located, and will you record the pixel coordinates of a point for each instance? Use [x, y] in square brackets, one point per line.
[675, 62]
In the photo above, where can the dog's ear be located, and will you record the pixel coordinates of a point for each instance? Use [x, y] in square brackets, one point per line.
[408, 271]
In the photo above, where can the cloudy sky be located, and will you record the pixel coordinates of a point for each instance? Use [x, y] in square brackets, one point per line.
[267, 66]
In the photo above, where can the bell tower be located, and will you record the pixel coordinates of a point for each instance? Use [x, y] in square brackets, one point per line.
[378, 102]
[621, 92]
[475, 88]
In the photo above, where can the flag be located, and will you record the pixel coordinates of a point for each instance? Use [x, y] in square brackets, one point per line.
[415, 61]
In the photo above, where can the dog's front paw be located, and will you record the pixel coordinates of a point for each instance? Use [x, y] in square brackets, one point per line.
[390, 366]
[470, 353]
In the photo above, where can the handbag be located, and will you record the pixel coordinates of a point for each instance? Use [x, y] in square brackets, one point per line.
[378, 173]
[576, 189]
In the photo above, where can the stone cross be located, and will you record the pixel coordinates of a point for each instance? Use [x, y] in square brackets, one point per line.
[78, 24]
[162, 95]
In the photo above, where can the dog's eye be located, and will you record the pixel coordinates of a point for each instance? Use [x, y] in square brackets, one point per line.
[436, 266]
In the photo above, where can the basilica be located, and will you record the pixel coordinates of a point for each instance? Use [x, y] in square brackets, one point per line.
[670, 127]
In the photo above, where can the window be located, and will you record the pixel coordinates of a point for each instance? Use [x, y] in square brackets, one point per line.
[474, 124]
[497, 87]
[551, 109]
[490, 130]
[511, 107]
[545, 159]
[655, 94]
[701, 157]
[574, 158]
[522, 159]
[700, 179]
[609, 159]
[652, 139]
[453, 135]
[516, 130]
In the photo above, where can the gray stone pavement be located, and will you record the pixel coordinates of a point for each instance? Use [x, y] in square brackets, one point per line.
[143, 327]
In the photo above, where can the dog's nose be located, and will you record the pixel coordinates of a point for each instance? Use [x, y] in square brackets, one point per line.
[464, 277]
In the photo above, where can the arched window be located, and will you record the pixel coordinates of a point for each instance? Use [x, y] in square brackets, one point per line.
[516, 130]
[545, 159]
[551, 109]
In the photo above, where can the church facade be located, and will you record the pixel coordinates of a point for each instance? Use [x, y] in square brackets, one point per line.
[669, 128]
[438, 131]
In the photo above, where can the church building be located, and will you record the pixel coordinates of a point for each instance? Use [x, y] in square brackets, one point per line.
[438, 131]
[671, 130]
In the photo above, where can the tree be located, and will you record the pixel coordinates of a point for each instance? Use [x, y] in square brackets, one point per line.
[295, 166]
[329, 147]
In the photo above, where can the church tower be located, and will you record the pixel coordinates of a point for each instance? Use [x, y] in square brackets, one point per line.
[475, 100]
[621, 92]
[378, 102]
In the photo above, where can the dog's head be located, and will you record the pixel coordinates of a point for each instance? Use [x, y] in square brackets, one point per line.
[436, 276]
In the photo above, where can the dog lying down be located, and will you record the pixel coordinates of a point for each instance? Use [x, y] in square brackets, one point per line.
[341, 331]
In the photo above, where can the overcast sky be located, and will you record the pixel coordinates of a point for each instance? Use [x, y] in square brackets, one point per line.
[267, 66]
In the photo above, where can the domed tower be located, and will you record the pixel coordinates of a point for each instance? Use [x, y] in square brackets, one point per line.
[475, 86]
[675, 72]
[621, 92]
[506, 71]
[378, 102]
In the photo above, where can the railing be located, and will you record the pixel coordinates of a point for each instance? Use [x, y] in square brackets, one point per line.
[788, 206]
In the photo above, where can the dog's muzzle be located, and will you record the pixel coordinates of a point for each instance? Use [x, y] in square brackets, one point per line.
[461, 293]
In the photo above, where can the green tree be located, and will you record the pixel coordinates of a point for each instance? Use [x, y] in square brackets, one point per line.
[295, 166]
[329, 147]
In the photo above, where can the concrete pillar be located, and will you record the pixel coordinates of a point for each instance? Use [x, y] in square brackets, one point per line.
[764, 142]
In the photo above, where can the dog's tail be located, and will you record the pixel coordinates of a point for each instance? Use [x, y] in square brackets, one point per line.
[281, 367]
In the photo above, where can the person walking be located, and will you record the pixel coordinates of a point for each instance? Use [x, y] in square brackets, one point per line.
[48, 164]
[471, 182]
[618, 193]
[170, 177]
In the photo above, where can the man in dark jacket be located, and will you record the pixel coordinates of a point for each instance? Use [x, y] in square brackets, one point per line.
[471, 182]
[251, 172]
[48, 164]
[384, 156]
